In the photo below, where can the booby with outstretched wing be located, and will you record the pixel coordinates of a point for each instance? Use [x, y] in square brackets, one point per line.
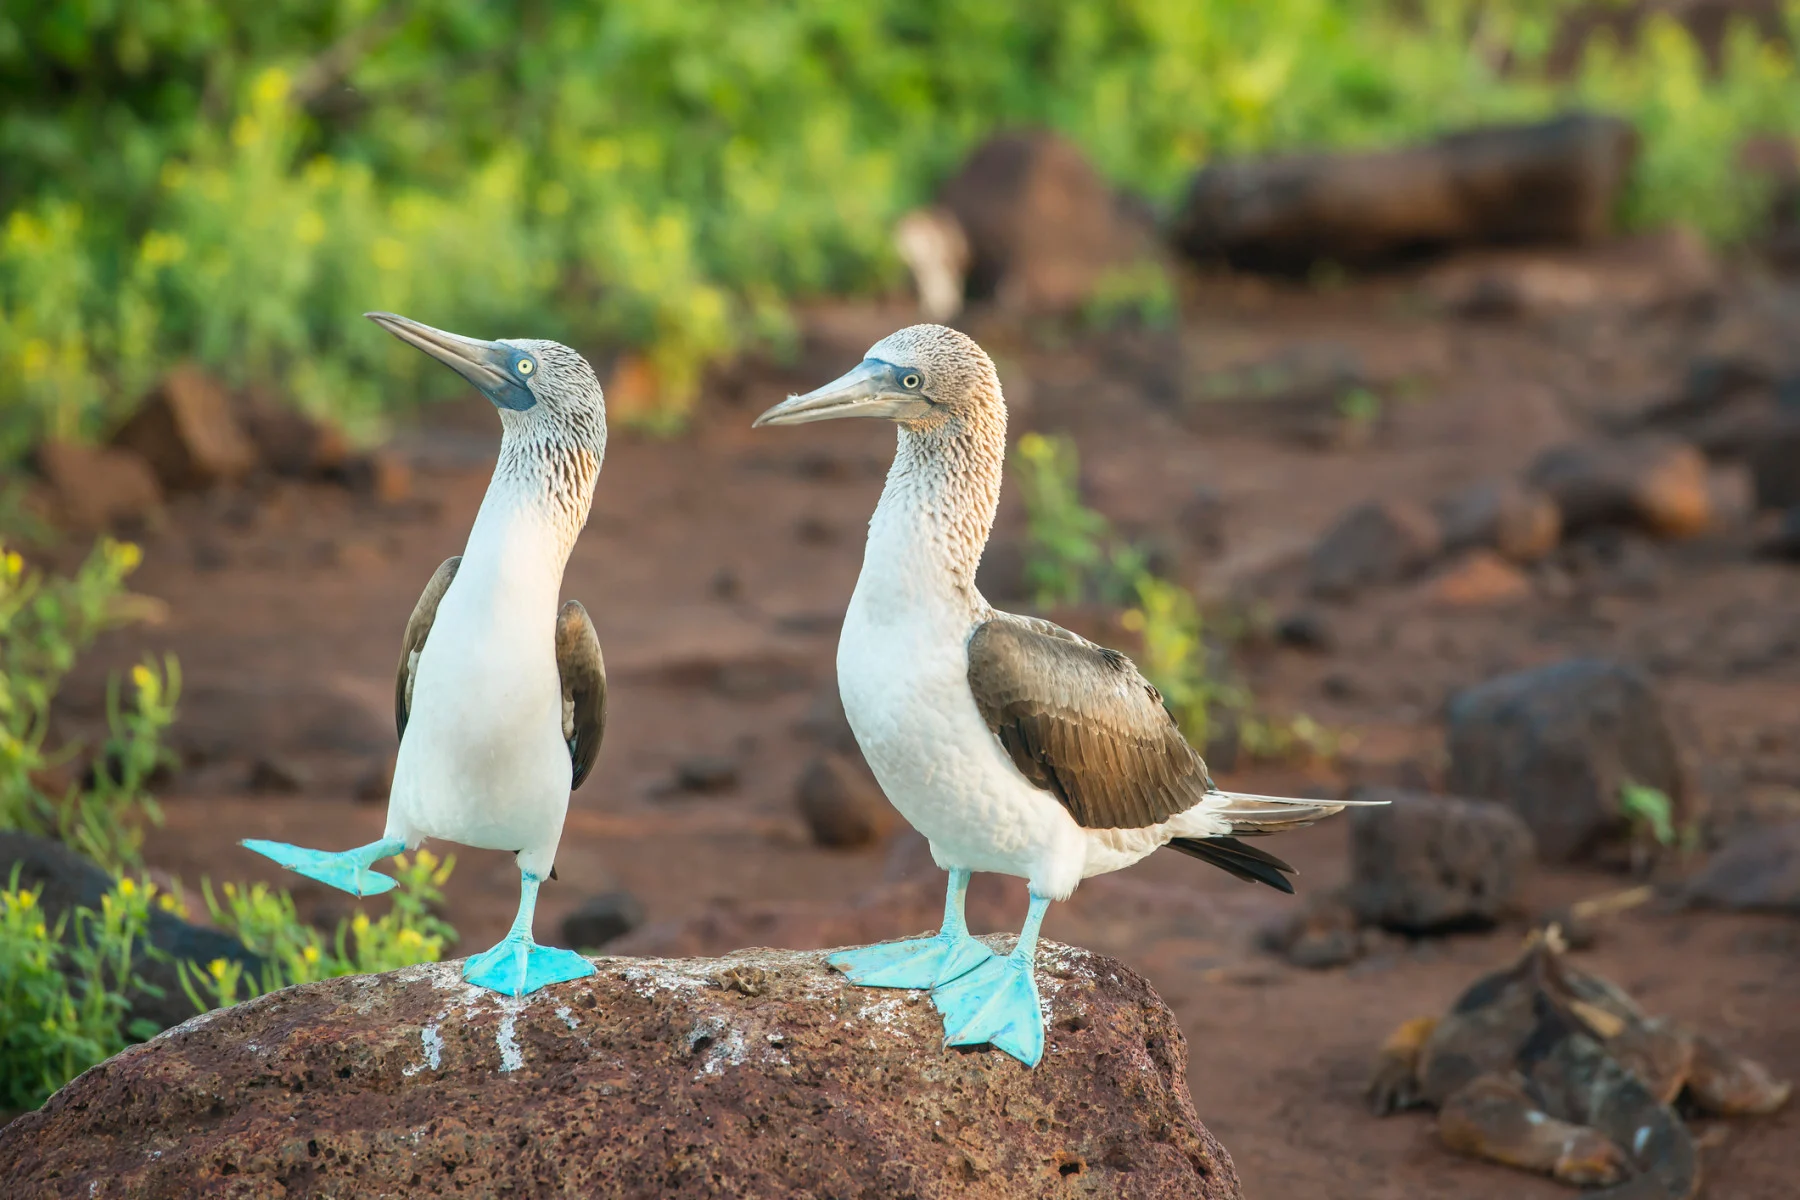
[500, 697]
[1012, 744]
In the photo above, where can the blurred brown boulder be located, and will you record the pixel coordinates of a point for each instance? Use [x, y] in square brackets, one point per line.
[91, 488]
[1759, 870]
[1657, 484]
[1378, 542]
[1477, 579]
[1775, 462]
[1557, 181]
[842, 804]
[1558, 743]
[1424, 863]
[188, 432]
[1042, 227]
[1519, 522]
[290, 442]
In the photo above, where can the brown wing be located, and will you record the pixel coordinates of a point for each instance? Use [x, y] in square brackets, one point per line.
[418, 628]
[1080, 722]
[583, 687]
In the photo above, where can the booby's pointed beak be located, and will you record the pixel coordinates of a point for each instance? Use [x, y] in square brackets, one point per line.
[487, 365]
[873, 389]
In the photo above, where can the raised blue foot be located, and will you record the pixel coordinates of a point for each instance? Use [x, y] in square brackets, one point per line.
[920, 962]
[997, 1003]
[916, 963]
[519, 966]
[346, 870]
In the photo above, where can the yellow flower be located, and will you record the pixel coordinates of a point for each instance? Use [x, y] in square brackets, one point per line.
[310, 954]
[130, 555]
[217, 968]
[309, 230]
[427, 860]
[14, 564]
[360, 924]
[388, 253]
[140, 675]
[34, 358]
[167, 902]
[410, 937]
[25, 900]
[271, 86]
[1133, 620]
[127, 886]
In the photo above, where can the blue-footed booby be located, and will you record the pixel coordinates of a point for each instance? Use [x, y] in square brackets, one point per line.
[500, 698]
[1012, 744]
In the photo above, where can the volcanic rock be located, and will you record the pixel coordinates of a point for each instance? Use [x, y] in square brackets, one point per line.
[1759, 870]
[69, 881]
[96, 487]
[1497, 514]
[761, 1074]
[1657, 484]
[1557, 743]
[1378, 542]
[842, 804]
[1423, 863]
[186, 430]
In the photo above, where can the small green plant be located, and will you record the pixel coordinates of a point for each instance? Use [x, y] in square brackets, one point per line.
[1360, 407]
[1065, 540]
[1138, 294]
[1649, 811]
[63, 999]
[1072, 554]
[266, 921]
[45, 622]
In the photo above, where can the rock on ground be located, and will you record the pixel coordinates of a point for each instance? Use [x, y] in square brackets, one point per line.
[1656, 483]
[69, 881]
[1427, 863]
[1043, 227]
[1557, 743]
[1555, 181]
[188, 432]
[1757, 871]
[96, 487]
[761, 1074]
[842, 804]
[1374, 543]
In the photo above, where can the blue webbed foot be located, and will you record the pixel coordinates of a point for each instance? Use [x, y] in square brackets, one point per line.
[916, 963]
[519, 966]
[995, 1004]
[346, 870]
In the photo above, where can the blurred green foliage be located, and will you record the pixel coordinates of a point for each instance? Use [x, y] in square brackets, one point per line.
[62, 998]
[63, 983]
[1073, 556]
[236, 180]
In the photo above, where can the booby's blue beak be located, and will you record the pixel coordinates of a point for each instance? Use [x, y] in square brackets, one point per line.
[496, 369]
[873, 389]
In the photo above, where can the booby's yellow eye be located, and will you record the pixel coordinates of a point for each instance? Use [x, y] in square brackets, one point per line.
[524, 367]
[910, 381]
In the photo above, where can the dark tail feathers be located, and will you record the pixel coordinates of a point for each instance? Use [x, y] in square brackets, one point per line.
[1246, 862]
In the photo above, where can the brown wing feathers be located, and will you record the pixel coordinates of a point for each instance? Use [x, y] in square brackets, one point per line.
[1080, 722]
[418, 628]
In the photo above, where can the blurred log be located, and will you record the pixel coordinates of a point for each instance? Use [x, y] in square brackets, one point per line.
[1556, 182]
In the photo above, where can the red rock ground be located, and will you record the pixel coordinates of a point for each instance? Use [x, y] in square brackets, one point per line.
[717, 563]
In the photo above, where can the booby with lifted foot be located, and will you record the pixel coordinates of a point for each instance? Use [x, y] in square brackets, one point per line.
[500, 698]
[1012, 744]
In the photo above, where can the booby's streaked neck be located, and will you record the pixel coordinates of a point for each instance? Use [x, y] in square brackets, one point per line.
[545, 474]
[935, 514]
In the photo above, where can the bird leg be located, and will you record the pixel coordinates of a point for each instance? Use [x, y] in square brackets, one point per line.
[517, 965]
[920, 962]
[997, 1002]
[346, 870]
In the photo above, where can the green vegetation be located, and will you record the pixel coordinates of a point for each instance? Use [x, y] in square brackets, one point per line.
[236, 181]
[1648, 809]
[62, 1002]
[63, 984]
[1072, 555]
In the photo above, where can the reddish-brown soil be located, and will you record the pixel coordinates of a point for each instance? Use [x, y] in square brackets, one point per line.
[717, 563]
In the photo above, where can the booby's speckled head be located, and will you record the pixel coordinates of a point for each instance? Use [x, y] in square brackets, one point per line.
[921, 377]
[520, 375]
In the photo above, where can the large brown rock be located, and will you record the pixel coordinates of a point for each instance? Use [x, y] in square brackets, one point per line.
[1424, 864]
[761, 1074]
[1758, 871]
[97, 487]
[188, 432]
[1557, 743]
[1375, 543]
[1657, 484]
[1520, 522]
[1557, 181]
[1043, 228]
